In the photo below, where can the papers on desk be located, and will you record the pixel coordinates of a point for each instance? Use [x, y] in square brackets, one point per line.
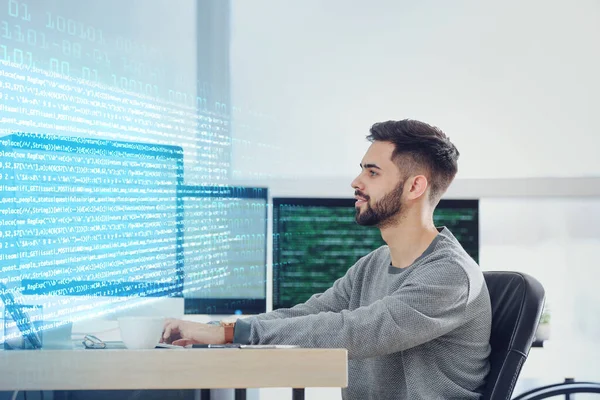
[167, 346]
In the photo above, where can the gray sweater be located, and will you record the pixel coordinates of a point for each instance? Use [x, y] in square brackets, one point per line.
[420, 332]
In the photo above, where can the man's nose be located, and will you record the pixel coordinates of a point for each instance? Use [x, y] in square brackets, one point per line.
[356, 183]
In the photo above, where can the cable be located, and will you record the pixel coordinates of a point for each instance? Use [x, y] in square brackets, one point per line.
[15, 394]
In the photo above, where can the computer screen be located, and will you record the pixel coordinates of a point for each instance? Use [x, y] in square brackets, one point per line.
[86, 219]
[316, 240]
[225, 249]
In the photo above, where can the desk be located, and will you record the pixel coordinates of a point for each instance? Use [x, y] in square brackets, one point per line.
[106, 369]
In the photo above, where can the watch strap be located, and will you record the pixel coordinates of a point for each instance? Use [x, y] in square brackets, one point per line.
[229, 328]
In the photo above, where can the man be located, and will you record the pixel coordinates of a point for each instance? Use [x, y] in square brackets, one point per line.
[415, 315]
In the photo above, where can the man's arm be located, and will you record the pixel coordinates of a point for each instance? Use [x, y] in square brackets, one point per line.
[421, 310]
[334, 299]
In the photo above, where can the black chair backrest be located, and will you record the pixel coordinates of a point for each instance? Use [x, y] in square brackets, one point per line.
[517, 301]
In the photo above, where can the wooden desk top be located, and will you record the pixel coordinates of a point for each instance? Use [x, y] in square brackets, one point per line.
[172, 369]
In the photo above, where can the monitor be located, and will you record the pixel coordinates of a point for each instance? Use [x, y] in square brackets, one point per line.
[225, 249]
[90, 226]
[316, 240]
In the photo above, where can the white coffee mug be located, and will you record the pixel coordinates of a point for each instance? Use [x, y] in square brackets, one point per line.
[141, 332]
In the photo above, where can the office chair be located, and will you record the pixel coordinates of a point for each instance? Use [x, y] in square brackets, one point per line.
[517, 300]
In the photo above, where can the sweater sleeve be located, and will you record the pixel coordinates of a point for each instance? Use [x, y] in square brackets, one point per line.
[334, 299]
[428, 305]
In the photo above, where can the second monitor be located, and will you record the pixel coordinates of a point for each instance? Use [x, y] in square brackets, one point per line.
[316, 240]
[225, 249]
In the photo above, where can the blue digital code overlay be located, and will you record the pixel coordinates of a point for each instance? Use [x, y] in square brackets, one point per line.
[86, 217]
[76, 69]
[38, 101]
[96, 128]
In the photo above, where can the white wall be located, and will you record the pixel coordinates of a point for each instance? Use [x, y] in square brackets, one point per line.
[514, 84]
[556, 241]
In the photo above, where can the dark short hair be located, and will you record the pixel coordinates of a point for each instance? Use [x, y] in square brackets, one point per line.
[420, 147]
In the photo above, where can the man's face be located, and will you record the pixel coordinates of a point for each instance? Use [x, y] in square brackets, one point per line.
[378, 188]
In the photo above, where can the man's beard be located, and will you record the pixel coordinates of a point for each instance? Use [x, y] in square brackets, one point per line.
[383, 212]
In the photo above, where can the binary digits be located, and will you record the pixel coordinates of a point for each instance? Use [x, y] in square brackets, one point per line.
[54, 42]
[62, 75]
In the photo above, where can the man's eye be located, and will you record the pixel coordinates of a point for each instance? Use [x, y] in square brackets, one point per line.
[372, 173]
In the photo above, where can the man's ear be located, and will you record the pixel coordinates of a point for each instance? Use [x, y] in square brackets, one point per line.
[418, 186]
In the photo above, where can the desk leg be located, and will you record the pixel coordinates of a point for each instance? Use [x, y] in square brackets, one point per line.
[297, 394]
[240, 394]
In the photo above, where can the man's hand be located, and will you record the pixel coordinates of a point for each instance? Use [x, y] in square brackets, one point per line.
[182, 333]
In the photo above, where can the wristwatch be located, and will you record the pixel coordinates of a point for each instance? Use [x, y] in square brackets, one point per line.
[229, 328]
